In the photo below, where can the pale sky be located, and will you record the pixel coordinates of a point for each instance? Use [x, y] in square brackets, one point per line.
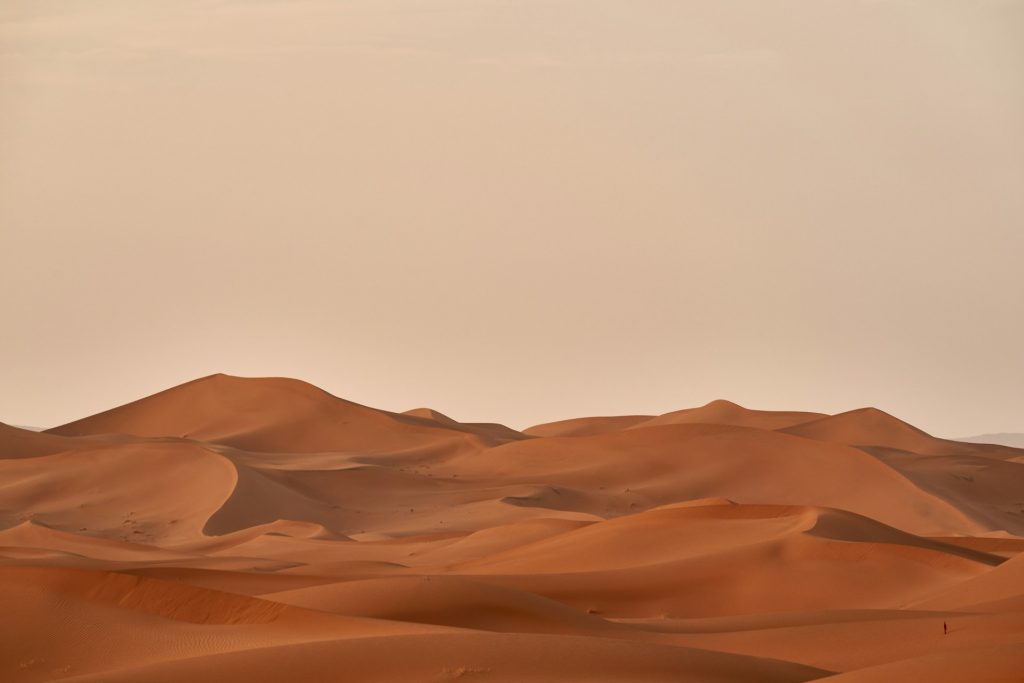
[517, 210]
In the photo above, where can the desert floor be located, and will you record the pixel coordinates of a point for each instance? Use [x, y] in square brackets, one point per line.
[263, 530]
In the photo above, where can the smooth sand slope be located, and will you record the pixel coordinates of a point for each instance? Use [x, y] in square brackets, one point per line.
[251, 530]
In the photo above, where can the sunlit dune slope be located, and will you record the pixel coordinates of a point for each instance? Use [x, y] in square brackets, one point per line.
[272, 415]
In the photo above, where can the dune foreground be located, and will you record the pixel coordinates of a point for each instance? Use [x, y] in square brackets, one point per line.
[260, 530]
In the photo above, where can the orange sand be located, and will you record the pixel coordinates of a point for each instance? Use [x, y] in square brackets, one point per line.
[259, 530]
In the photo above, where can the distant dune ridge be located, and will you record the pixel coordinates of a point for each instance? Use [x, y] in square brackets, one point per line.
[1002, 439]
[261, 529]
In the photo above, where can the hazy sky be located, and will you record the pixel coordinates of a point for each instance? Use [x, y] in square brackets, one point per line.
[517, 210]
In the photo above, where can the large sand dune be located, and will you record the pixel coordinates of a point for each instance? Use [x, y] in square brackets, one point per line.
[251, 530]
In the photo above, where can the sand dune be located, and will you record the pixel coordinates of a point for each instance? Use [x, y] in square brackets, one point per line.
[728, 560]
[480, 656]
[587, 426]
[873, 427]
[1003, 587]
[627, 471]
[16, 442]
[271, 415]
[723, 412]
[985, 488]
[716, 412]
[869, 638]
[1001, 664]
[450, 601]
[236, 529]
[1005, 439]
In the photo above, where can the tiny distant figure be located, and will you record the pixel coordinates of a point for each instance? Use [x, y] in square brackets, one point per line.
[945, 629]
